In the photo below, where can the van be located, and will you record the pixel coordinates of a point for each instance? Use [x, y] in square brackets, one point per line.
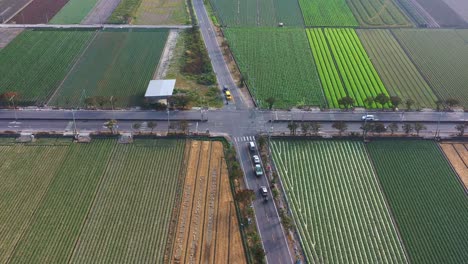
[251, 146]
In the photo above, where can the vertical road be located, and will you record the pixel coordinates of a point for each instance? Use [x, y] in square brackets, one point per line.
[217, 60]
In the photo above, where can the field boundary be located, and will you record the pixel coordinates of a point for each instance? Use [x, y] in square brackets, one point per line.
[387, 206]
[77, 60]
[460, 181]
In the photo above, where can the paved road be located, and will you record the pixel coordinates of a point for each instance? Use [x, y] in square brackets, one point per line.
[96, 26]
[217, 60]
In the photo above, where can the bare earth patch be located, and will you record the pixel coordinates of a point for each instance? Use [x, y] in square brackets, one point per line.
[101, 12]
[162, 12]
[460, 7]
[166, 56]
[457, 153]
[7, 35]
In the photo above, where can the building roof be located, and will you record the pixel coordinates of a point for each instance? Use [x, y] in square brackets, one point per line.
[160, 88]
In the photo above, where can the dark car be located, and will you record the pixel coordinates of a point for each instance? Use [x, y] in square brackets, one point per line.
[225, 89]
[264, 192]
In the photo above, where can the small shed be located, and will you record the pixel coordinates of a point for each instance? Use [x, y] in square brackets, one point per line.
[160, 90]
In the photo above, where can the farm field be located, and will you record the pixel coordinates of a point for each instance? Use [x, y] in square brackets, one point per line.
[7, 35]
[442, 57]
[284, 69]
[339, 210]
[457, 154]
[429, 203]
[162, 12]
[10, 7]
[327, 13]
[36, 61]
[421, 17]
[246, 13]
[120, 185]
[125, 12]
[460, 7]
[207, 227]
[38, 12]
[398, 73]
[118, 63]
[74, 12]
[358, 75]
[442, 13]
[375, 13]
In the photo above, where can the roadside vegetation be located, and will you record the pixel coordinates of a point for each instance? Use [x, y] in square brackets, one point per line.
[125, 12]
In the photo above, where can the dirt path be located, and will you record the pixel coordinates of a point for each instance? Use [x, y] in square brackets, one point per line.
[100, 12]
[208, 229]
[166, 56]
[7, 35]
[458, 157]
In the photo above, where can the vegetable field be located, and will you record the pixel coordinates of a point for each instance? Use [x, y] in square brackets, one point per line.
[376, 13]
[327, 13]
[340, 51]
[243, 13]
[74, 12]
[118, 63]
[400, 76]
[338, 207]
[35, 63]
[162, 12]
[277, 63]
[91, 193]
[442, 57]
[429, 204]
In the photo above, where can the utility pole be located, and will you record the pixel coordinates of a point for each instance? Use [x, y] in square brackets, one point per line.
[75, 131]
[14, 108]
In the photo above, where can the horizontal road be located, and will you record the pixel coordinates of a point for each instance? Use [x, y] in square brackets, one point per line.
[95, 26]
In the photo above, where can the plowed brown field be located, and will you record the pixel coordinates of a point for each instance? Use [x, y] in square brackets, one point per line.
[457, 153]
[207, 229]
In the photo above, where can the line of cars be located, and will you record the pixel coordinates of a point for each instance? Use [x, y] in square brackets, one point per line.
[258, 169]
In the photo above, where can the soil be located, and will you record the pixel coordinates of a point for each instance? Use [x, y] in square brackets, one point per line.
[457, 154]
[166, 56]
[7, 35]
[101, 12]
[460, 6]
[207, 229]
[38, 12]
[442, 13]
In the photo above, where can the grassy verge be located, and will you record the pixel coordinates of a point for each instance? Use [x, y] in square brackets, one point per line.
[125, 12]
[191, 67]
[211, 13]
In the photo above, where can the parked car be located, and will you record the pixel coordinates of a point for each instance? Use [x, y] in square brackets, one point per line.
[256, 159]
[264, 192]
[258, 170]
[368, 118]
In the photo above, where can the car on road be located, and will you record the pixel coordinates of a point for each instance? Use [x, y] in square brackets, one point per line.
[264, 192]
[368, 118]
[256, 159]
[228, 95]
[225, 89]
[258, 170]
[251, 146]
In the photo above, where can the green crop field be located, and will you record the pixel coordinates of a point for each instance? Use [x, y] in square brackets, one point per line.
[162, 12]
[64, 202]
[442, 57]
[74, 12]
[243, 13]
[376, 13]
[118, 63]
[429, 204]
[339, 210]
[277, 63]
[398, 73]
[340, 50]
[35, 63]
[327, 13]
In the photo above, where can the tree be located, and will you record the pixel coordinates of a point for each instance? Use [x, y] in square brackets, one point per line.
[340, 126]
[451, 103]
[9, 97]
[393, 127]
[461, 129]
[305, 126]
[136, 126]
[315, 127]
[152, 125]
[379, 127]
[292, 127]
[418, 127]
[245, 196]
[270, 101]
[395, 101]
[407, 127]
[101, 100]
[179, 100]
[439, 104]
[90, 102]
[346, 101]
[184, 126]
[369, 101]
[366, 127]
[409, 103]
[382, 99]
[111, 124]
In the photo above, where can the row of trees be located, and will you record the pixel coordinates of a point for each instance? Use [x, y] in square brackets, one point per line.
[313, 128]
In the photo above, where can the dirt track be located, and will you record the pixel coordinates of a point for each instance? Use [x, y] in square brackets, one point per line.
[208, 229]
[457, 153]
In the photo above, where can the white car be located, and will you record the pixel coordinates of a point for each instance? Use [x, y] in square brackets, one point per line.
[256, 159]
[368, 118]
